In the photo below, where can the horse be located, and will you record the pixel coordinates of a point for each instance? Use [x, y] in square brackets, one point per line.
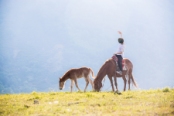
[109, 69]
[74, 74]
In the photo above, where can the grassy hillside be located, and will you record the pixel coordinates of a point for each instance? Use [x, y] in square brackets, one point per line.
[140, 102]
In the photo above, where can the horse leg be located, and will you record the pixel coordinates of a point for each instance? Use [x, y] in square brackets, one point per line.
[76, 84]
[110, 78]
[87, 82]
[91, 83]
[115, 79]
[124, 79]
[129, 81]
[72, 84]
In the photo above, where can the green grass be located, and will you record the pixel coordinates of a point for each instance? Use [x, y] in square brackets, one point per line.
[130, 103]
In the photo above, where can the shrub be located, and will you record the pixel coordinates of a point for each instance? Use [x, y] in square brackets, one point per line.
[167, 89]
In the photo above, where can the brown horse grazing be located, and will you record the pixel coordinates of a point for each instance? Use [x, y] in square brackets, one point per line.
[74, 74]
[109, 69]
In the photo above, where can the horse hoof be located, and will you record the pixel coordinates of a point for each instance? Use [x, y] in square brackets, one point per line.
[117, 92]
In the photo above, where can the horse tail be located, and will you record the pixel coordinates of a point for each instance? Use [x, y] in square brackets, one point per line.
[132, 78]
[92, 73]
[129, 72]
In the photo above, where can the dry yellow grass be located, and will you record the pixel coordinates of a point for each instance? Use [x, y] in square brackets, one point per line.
[129, 103]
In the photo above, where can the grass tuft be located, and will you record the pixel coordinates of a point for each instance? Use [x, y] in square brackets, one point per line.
[167, 89]
[34, 93]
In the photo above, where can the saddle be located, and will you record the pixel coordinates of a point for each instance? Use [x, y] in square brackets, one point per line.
[116, 62]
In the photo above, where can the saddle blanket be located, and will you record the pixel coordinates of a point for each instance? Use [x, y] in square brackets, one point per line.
[123, 64]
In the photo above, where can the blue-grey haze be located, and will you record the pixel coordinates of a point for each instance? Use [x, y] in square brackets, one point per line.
[42, 39]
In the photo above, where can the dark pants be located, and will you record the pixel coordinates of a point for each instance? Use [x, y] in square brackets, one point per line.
[119, 61]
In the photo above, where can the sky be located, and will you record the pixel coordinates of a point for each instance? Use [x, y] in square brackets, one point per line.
[46, 32]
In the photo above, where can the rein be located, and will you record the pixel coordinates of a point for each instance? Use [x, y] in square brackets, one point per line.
[103, 85]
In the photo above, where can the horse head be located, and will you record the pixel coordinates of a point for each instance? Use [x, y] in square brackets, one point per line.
[97, 85]
[61, 84]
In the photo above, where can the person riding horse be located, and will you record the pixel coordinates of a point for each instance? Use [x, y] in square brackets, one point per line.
[119, 54]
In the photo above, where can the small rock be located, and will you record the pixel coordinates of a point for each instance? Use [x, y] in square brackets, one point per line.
[36, 102]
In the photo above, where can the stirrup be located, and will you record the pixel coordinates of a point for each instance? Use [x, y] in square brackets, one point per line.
[119, 72]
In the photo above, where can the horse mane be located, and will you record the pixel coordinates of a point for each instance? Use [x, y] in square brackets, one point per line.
[102, 72]
[65, 76]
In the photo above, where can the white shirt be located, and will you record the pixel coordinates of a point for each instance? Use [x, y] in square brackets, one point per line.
[121, 49]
